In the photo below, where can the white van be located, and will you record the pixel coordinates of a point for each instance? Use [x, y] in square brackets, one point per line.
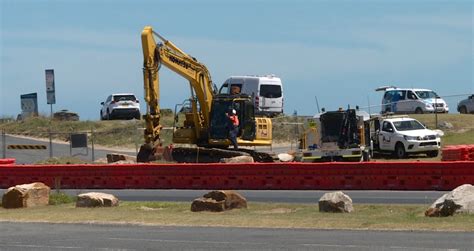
[266, 91]
[410, 100]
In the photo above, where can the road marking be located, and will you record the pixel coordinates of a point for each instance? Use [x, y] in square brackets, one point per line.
[39, 246]
[186, 241]
[59, 247]
[374, 246]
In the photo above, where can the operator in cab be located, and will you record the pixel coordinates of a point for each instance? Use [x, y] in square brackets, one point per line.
[234, 90]
[234, 128]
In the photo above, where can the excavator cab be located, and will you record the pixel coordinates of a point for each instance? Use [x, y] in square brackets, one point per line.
[220, 123]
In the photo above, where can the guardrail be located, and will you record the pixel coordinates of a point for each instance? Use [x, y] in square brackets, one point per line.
[259, 176]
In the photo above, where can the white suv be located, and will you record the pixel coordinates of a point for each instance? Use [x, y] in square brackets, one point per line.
[406, 135]
[120, 105]
[409, 100]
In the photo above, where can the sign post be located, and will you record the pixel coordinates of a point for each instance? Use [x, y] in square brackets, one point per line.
[50, 89]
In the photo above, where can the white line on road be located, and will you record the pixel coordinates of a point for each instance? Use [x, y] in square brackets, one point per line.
[58, 247]
[187, 241]
[372, 246]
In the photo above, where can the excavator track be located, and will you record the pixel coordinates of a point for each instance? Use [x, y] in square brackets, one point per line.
[214, 155]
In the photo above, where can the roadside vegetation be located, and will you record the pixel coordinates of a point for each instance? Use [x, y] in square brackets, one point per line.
[268, 215]
[462, 131]
[129, 133]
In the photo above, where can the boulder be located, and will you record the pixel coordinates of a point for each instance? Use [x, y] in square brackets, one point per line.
[238, 159]
[96, 200]
[231, 198]
[115, 157]
[217, 201]
[460, 200]
[285, 157]
[445, 125]
[335, 202]
[207, 204]
[26, 195]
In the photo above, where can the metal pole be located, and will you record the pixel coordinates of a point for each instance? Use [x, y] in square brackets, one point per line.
[51, 114]
[368, 103]
[70, 144]
[4, 147]
[436, 112]
[137, 135]
[317, 103]
[50, 143]
[92, 144]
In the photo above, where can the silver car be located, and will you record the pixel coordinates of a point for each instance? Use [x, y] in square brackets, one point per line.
[466, 105]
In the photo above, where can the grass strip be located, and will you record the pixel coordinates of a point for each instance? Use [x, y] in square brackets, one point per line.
[260, 215]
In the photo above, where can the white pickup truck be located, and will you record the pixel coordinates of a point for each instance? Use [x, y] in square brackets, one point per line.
[402, 136]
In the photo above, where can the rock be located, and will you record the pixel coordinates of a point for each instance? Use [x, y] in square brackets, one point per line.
[207, 204]
[96, 200]
[238, 159]
[26, 195]
[460, 200]
[445, 125]
[231, 198]
[120, 162]
[335, 202]
[101, 161]
[115, 157]
[285, 157]
[217, 201]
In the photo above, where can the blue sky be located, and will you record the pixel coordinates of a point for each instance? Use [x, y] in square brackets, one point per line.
[339, 51]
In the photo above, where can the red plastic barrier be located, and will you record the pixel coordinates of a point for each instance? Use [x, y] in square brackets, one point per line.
[291, 176]
[7, 161]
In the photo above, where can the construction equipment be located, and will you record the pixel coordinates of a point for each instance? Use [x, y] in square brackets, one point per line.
[336, 136]
[205, 125]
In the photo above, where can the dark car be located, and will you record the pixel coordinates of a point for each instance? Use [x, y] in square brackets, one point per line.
[466, 105]
[66, 115]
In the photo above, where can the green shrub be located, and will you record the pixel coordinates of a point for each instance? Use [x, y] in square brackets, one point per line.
[60, 198]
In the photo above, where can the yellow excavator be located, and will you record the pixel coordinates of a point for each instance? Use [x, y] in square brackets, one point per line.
[206, 123]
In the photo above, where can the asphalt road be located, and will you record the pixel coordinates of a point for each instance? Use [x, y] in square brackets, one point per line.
[277, 196]
[59, 150]
[44, 236]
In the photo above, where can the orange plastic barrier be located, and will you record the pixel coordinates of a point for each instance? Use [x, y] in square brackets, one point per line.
[458, 153]
[291, 176]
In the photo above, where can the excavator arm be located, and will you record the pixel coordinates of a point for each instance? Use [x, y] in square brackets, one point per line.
[167, 54]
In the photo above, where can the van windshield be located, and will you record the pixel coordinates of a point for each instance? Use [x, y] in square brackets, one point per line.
[427, 94]
[270, 91]
[408, 125]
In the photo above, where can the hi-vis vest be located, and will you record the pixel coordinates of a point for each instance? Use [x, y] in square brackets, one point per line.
[234, 119]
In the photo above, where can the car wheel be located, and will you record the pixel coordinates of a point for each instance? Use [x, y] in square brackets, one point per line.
[419, 111]
[432, 154]
[101, 116]
[400, 152]
[463, 109]
[137, 116]
[108, 116]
